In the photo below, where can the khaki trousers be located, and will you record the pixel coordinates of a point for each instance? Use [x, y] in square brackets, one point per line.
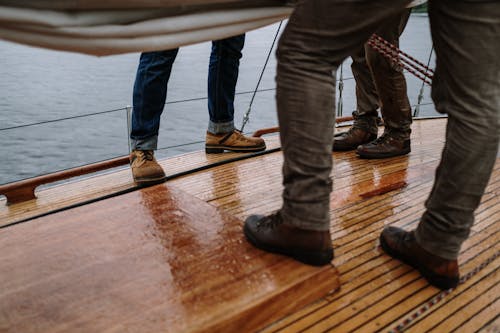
[319, 36]
[379, 81]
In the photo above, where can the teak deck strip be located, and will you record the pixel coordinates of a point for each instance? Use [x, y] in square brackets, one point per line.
[377, 292]
[93, 187]
[154, 260]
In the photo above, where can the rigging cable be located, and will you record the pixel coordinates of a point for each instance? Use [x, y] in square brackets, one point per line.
[246, 117]
[340, 103]
[421, 93]
[120, 109]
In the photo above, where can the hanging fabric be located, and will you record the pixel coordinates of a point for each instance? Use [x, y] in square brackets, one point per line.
[121, 26]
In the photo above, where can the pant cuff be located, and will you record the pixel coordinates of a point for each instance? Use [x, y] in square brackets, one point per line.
[437, 242]
[366, 123]
[219, 128]
[303, 223]
[150, 143]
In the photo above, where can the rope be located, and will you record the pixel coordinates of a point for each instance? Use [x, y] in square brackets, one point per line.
[401, 59]
[246, 117]
[404, 54]
[439, 297]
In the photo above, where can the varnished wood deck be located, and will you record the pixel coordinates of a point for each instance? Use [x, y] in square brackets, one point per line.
[377, 293]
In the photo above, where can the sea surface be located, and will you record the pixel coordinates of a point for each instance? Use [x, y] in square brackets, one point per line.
[39, 87]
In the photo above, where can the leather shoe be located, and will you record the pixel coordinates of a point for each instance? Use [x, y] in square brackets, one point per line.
[384, 147]
[145, 168]
[270, 234]
[402, 245]
[351, 139]
[233, 141]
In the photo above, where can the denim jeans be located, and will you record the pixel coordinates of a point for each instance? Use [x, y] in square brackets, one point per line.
[319, 36]
[150, 90]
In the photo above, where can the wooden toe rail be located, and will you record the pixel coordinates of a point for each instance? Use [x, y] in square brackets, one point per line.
[24, 190]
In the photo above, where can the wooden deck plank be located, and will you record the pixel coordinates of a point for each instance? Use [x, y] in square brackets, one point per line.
[483, 224]
[483, 220]
[116, 180]
[491, 327]
[145, 261]
[377, 292]
[480, 300]
[350, 298]
[398, 312]
[441, 317]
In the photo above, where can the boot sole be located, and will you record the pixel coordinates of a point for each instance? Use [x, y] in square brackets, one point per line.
[220, 149]
[149, 181]
[436, 280]
[313, 258]
[337, 148]
[382, 155]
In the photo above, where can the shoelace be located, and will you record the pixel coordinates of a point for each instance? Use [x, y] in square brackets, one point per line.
[146, 155]
[270, 221]
[382, 139]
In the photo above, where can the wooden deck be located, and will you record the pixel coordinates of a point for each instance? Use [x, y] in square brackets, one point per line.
[120, 264]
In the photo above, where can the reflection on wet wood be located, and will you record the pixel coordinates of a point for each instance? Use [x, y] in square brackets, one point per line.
[155, 260]
[377, 293]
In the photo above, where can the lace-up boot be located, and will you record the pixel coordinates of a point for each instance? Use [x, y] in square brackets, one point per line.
[233, 141]
[269, 233]
[402, 245]
[388, 145]
[362, 131]
[145, 168]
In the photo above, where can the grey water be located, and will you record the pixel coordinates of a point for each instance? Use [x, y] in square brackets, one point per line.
[39, 86]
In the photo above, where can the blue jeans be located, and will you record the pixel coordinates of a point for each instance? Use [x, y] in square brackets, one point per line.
[150, 90]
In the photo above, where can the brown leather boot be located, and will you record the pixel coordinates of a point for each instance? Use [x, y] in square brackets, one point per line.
[268, 233]
[384, 147]
[145, 169]
[402, 245]
[233, 141]
[351, 139]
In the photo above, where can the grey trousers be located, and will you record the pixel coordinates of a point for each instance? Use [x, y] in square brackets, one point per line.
[319, 36]
[378, 78]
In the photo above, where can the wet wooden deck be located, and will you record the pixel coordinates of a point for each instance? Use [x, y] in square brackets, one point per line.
[120, 263]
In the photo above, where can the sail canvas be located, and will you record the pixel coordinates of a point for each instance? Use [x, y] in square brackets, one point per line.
[113, 27]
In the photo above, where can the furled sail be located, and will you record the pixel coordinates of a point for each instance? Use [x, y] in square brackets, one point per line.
[105, 27]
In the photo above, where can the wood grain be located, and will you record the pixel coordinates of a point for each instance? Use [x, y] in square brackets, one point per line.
[155, 260]
[377, 292]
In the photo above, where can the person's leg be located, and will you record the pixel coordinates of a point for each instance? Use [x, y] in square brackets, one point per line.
[466, 86]
[223, 72]
[364, 128]
[149, 96]
[150, 92]
[314, 43]
[391, 86]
